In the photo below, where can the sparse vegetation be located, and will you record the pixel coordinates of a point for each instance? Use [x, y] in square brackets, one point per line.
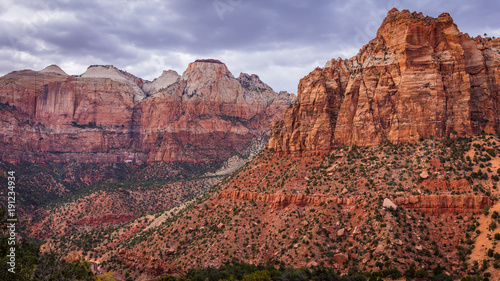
[244, 218]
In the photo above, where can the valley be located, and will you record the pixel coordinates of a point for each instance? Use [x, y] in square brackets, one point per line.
[385, 164]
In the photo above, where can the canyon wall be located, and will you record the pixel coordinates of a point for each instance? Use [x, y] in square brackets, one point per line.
[107, 115]
[419, 77]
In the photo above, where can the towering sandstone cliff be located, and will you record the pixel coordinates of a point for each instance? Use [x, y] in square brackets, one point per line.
[208, 115]
[420, 77]
[107, 115]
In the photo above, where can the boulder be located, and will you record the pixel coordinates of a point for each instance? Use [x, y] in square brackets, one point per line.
[388, 204]
[341, 258]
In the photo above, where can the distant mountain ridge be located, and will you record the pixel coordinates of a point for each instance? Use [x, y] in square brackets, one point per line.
[107, 115]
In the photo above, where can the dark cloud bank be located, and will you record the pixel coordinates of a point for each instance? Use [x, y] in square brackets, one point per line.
[279, 40]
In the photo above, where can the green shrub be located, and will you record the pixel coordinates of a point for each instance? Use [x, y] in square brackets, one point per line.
[167, 278]
[262, 275]
[421, 273]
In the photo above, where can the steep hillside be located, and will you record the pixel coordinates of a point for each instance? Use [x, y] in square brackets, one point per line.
[331, 210]
[113, 203]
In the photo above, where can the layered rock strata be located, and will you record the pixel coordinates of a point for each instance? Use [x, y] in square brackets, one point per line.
[419, 78]
[438, 204]
[284, 200]
[107, 115]
[434, 204]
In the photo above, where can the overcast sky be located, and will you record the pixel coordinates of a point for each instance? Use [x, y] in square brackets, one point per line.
[280, 40]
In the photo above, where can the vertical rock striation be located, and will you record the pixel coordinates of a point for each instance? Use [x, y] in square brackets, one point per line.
[107, 115]
[420, 77]
[208, 115]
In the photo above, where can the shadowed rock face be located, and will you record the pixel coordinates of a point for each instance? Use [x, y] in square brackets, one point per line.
[107, 115]
[419, 77]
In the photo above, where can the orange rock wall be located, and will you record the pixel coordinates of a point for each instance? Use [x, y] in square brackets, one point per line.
[420, 77]
[283, 200]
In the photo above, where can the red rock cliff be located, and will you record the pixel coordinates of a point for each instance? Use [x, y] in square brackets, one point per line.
[56, 117]
[419, 77]
[208, 115]
[105, 115]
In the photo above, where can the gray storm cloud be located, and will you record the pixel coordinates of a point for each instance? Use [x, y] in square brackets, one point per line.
[279, 40]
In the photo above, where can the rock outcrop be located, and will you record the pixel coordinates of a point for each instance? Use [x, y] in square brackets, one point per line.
[54, 69]
[439, 204]
[388, 204]
[420, 77]
[107, 115]
[284, 200]
[113, 73]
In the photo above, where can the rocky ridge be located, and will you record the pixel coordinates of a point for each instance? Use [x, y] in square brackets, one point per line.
[167, 78]
[107, 115]
[420, 77]
[423, 203]
[113, 73]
